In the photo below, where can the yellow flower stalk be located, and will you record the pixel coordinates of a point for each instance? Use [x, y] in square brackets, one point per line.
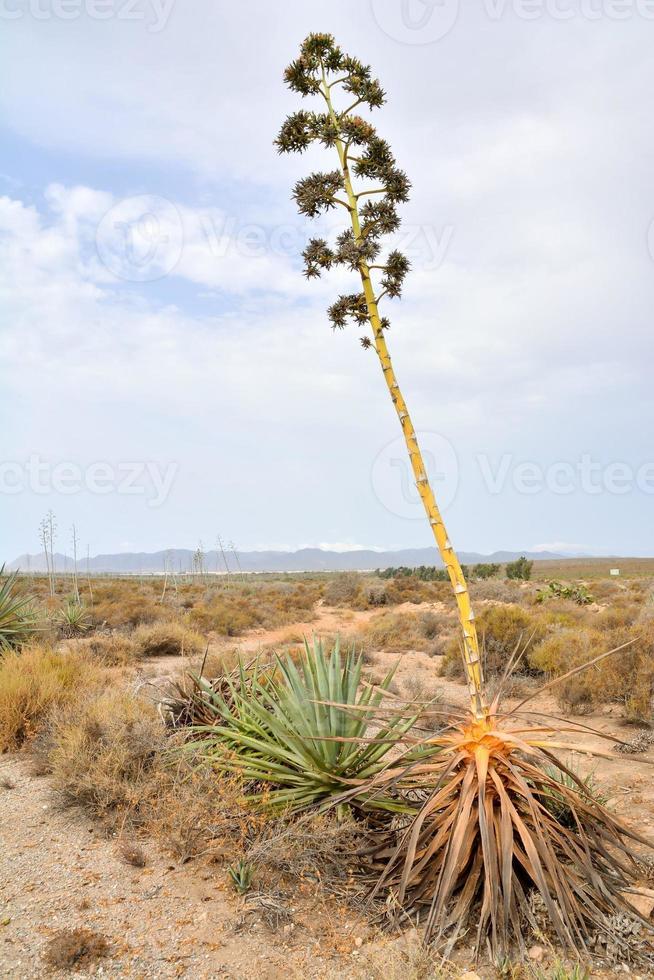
[323, 70]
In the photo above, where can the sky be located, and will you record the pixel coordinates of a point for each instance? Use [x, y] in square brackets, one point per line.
[168, 375]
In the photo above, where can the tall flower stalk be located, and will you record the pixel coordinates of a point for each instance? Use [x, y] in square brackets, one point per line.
[368, 185]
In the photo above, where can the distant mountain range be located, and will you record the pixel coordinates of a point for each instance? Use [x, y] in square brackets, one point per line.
[304, 560]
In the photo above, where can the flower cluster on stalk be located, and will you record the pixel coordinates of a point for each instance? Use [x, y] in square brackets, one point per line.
[322, 68]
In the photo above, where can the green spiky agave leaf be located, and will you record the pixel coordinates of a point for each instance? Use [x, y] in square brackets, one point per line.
[292, 737]
[17, 621]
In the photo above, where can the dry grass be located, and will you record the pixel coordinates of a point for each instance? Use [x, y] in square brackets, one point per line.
[76, 949]
[502, 629]
[315, 846]
[167, 640]
[111, 649]
[133, 854]
[101, 752]
[111, 755]
[34, 682]
[396, 632]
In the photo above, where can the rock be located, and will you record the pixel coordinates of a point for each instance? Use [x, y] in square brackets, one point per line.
[470, 976]
[536, 954]
[642, 899]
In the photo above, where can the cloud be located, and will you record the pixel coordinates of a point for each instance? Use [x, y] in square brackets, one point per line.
[153, 303]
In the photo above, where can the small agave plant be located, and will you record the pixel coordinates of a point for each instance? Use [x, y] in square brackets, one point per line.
[484, 836]
[17, 621]
[73, 618]
[301, 736]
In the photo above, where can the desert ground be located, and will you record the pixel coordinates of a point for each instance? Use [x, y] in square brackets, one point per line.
[116, 863]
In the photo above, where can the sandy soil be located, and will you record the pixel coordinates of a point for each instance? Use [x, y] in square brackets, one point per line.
[59, 869]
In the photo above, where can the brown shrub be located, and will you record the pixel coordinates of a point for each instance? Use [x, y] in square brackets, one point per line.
[111, 649]
[101, 753]
[575, 695]
[625, 678]
[229, 617]
[124, 603]
[167, 640]
[376, 595]
[232, 609]
[133, 854]
[112, 755]
[498, 590]
[617, 616]
[315, 846]
[344, 590]
[409, 588]
[34, 682]
[501, 630]
[76, 949]
[398, 631]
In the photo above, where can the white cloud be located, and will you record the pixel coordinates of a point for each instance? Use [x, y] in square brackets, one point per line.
[525, 326]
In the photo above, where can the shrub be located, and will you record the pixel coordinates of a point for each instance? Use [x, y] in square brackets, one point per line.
[618, 615]
[565, 649]
[167, 640]
[76, 949]
[344, 590]
[228, 617]
[502, 629]
[557, 590]
[119, 604]
[626, 678]
[485, 571]
[111, 649]
[398, 631]
[424, 573]
[376, 595]
[101, 752]
[411, 589]
[519, 569]
[35, 681]
[496, 590]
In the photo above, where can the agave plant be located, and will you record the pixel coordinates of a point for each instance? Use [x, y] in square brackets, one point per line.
[196, 700]
[17, 622]
[482, 834]
[499, 817]
[73, 618]
[301, 736]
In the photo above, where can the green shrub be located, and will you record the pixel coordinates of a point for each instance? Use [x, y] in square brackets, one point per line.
[519, 569]
[557, 590]
[485, 571]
